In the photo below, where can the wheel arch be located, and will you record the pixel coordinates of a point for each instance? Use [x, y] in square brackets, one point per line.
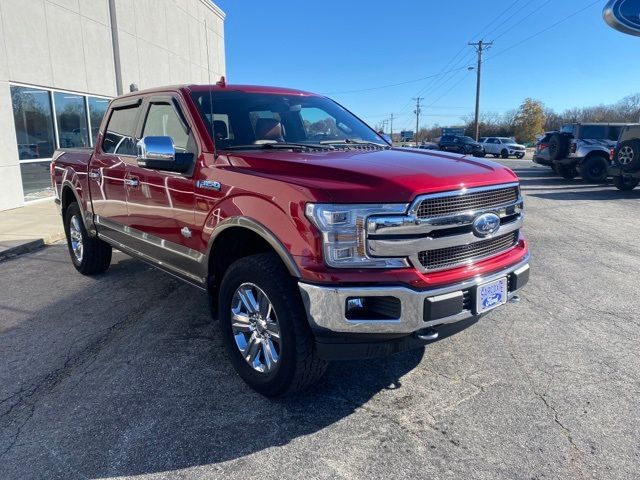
[68, 195]
[238, 237]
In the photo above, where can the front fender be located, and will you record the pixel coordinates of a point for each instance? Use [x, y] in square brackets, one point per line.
[287, 232]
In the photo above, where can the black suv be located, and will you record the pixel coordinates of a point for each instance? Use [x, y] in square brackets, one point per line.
[460, 144]
[625, 159]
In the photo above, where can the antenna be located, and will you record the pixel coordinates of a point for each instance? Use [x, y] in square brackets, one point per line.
[213, 126]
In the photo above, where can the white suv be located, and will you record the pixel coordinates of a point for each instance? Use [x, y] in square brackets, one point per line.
[503, 147]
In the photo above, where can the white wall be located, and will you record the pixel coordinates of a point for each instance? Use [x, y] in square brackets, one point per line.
[164, 43]
[68, 44]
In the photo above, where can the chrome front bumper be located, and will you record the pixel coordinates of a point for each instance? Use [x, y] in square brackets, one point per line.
[326, 306]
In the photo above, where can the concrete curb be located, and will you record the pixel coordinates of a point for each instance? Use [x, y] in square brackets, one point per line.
[29, 246]
[21, 249]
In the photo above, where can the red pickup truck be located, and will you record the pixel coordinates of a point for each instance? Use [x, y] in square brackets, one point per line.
[315, 239]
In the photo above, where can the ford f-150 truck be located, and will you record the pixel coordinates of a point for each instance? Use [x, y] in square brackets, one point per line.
[314, 238]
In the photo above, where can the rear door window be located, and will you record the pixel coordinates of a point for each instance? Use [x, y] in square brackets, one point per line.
[119, 137]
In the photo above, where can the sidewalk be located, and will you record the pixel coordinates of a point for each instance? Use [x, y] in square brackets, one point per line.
[29, 227]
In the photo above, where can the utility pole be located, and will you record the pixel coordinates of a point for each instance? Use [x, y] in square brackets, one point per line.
[417, 111]
[480, 47]
[391, 120]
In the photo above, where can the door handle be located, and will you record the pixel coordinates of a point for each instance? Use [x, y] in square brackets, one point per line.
[131, 182]
[95, 175]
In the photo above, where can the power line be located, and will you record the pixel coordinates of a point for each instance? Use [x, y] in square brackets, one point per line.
[562, 20]
[514, 25]
[391, 84]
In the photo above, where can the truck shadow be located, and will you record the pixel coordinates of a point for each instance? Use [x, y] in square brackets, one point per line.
[144, 385]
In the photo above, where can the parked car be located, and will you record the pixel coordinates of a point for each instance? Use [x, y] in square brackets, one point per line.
[503, 147]
[309, 250]
[583, 148]
[541, 152]
[625, 159]
[461, 144]
[428, 146]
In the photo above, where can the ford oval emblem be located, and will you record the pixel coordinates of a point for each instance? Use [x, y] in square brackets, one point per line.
[623, 15]
[486, 224]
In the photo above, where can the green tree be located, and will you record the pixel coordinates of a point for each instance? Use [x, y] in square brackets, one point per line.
[530, 120]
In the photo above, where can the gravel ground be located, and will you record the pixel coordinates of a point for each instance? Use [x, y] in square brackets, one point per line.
[124, 375]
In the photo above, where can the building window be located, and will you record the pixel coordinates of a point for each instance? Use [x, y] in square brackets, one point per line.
[71, 115]
[33, 118]
[97, 109]
[36, 180]
[38, 115]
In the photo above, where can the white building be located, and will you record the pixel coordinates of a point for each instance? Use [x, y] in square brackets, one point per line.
[61, 60]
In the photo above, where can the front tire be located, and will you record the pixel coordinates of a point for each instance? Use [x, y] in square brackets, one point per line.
[625, 184]
[89, 255]
[265, 328]
[594, 169]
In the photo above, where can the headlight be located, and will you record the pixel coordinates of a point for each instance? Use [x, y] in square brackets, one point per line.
[343, 233]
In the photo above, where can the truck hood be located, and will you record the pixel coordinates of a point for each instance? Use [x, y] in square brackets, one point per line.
[379, 176]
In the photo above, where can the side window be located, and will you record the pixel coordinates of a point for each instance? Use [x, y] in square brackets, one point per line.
[119, 137]
[163, 121]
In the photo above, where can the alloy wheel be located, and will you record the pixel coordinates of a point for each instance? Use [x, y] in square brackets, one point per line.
[255, 328]
[75, 235]
[625, 156]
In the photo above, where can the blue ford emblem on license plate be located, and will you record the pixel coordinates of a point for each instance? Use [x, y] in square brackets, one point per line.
[491, 295]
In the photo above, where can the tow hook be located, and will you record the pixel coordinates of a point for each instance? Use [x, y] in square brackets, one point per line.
[514, 299]
[428, 334]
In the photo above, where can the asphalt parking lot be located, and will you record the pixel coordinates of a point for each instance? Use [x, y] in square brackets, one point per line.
[124, 375]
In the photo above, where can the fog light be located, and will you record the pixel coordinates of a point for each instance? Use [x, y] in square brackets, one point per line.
[354, 303]
[372, 308]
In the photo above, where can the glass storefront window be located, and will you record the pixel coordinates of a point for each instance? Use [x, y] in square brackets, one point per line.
[33, 118]
[71, 116]
[97, 108]
[36, 180]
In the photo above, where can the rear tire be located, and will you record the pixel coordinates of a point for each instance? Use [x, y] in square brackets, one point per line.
[594, 169]
[625, 184]
[89, 255]
[628, 156]
[251, 340]
[504, 153]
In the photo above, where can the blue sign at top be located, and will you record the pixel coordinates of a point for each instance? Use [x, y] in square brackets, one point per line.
[623, 15]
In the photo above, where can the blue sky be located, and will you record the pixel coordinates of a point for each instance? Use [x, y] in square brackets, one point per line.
[338, 46]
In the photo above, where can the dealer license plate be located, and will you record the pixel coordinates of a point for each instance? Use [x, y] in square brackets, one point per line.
[491, 295]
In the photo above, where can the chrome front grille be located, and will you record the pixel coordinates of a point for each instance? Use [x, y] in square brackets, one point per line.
[438, 232]
[461, 254]
[465, 201]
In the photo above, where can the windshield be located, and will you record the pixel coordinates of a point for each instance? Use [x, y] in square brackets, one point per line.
[467, 140]
[253, 119]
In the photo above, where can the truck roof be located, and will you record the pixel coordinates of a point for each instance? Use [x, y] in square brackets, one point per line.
[221, 88]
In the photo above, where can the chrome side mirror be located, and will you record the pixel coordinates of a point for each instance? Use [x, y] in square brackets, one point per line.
[156, 151]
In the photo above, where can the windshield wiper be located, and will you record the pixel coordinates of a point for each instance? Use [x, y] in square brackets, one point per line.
[280, 145]
[353, 141]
